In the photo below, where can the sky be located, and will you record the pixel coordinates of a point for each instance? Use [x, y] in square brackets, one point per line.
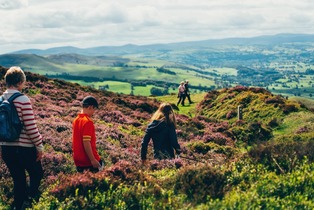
[43, 24]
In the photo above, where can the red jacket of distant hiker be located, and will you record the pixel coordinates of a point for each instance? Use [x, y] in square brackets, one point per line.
[83, 130]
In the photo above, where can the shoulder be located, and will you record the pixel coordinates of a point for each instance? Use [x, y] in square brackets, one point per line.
[84, 118]
[83, 121]
[87, 121]
[22, 99]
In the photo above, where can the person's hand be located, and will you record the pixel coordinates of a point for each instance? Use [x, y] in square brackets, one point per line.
[144, 162]
[39, 156]
[95, 163]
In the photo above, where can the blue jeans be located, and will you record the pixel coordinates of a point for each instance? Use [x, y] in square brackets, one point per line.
[19, 160]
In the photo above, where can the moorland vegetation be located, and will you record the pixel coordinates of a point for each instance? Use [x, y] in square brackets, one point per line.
[262, 161]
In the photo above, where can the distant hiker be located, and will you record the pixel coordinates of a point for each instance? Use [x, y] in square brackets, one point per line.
[181, 94]
[26, 152]
[85, 154]
[187, 91]
[162, 130]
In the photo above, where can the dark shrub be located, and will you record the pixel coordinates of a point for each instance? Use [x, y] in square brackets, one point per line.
[288, 108]
[275, 100]
[251, 133]
[282, 156]
[273, 122]
[200, 147]
[199, 182]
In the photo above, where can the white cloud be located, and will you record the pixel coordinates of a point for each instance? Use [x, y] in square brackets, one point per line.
[12, 4]
[86, 23]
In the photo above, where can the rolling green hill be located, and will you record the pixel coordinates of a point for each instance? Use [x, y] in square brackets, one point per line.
[30, 62]
[282, 63]
[181, 46]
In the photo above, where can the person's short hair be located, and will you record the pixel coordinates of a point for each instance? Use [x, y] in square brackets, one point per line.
[14, 76]
[89, 101]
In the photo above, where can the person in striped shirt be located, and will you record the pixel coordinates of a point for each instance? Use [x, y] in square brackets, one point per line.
[26, 153]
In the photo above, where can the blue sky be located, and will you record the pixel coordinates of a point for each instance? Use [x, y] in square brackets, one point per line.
[43, 24]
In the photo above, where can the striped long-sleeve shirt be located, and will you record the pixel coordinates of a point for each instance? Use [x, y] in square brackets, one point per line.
[30, 135]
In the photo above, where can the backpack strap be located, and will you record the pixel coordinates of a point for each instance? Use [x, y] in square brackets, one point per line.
[14, 96]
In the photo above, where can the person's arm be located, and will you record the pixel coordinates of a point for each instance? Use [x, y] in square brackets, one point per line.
[144, 146]
[174, 140]
[89, 152]
[31, 129]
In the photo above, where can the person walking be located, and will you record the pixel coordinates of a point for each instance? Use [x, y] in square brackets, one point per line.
[181, 94]
[26, 152]
[85, 154]
[187, 91]
[162, 130]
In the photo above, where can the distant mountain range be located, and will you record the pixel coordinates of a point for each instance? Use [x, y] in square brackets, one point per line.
[212, 43]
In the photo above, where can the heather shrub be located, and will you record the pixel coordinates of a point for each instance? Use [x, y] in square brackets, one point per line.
[199, 183]
[57, 162]
[231, 114]
[256, 188]
[304, 129]
[288, 108]
[217, 138]
[259, 90]
[157, 165]
[199, 147]
[251, 133]
[6, 186]
[298, 181]
[78, 184]
[120, 196]
[243, 172]
[238, 88]
[273, 123]
[245, 99]
[282, 156]
[121, 186]
[195, 122]
[275, 100]
[4, 171]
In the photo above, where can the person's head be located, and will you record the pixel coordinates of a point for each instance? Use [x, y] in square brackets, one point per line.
[182, 83]
[15, 77]
[89, 105]
[186, 81]
[165, 112]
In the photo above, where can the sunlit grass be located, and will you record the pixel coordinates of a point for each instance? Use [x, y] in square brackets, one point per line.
[188, 109]
[309, 103]
[295, 121]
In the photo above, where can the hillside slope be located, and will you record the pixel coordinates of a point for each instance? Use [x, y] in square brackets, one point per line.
[215, 167]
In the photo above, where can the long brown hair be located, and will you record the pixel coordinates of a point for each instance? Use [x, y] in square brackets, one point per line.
[165, 112]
